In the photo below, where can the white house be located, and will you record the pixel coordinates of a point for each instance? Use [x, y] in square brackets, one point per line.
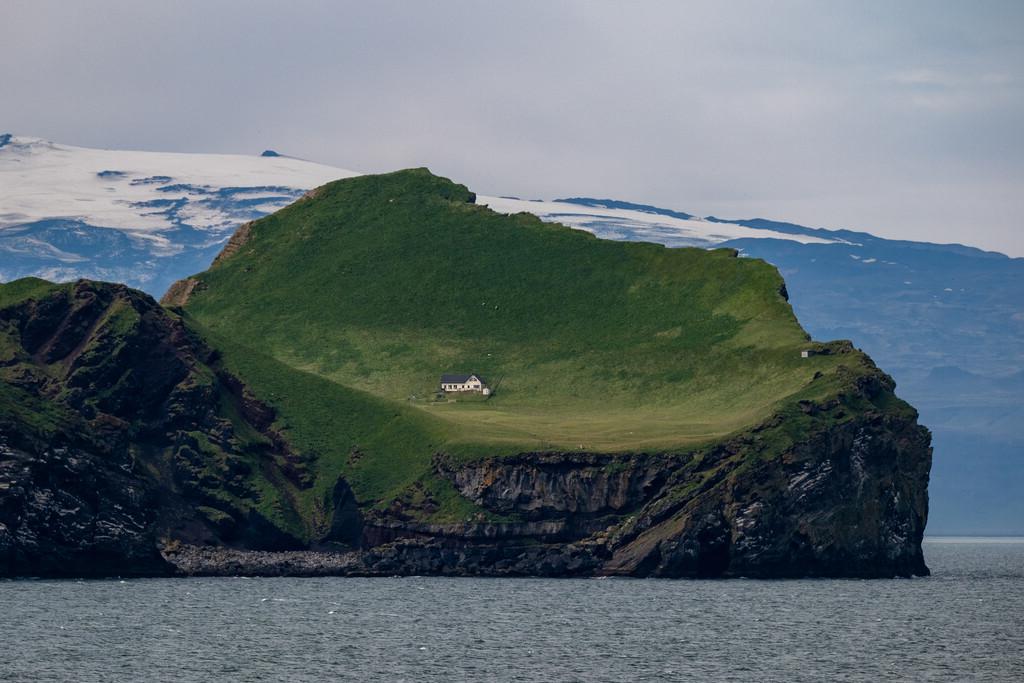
[474, 383]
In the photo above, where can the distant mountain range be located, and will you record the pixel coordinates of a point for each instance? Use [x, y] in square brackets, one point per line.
[947, 321]
[142, 218]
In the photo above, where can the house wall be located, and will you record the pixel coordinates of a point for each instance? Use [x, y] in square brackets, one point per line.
[472, 385]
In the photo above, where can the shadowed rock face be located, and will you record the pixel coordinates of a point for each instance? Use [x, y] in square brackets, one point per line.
[69, 512]
[106, 349]
[118, 432]
[125, 450]
[849, 501]
[553, 486]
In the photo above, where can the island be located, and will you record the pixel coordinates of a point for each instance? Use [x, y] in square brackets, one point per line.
[654, 412]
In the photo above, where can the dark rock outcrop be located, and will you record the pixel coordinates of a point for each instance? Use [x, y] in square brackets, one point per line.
[561, 485]
[118, 430]
[68, 512]
[850, 501]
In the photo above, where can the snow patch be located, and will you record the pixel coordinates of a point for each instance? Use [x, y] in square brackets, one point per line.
[632, 224]
[41, 179]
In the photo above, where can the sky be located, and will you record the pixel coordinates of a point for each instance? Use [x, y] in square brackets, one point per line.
[904, 119]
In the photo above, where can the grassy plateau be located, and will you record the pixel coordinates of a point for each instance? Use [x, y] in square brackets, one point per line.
[343, 310]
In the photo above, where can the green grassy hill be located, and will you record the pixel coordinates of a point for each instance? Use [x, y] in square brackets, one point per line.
[343, 310]
[651, 413]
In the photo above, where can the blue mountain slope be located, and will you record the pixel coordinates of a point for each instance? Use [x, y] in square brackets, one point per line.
[617, 204]
[61, 250]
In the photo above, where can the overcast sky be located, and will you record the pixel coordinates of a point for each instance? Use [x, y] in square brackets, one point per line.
[905, 119]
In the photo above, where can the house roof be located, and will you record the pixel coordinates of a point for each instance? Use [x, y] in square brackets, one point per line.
[459, 379]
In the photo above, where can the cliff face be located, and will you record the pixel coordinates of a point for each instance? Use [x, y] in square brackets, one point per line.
[70, 512]
[126, 449]
[117, 432]
[850, 499]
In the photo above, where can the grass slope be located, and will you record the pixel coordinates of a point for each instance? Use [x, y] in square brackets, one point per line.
[379, 446]
[380, 283]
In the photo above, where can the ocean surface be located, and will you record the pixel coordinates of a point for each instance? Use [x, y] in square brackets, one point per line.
[965, 622]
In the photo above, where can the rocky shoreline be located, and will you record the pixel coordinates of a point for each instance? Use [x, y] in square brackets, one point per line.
[190, 560]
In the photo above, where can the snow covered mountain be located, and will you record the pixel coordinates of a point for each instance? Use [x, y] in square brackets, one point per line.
[615, 220]
[143, 218]
[947, 321]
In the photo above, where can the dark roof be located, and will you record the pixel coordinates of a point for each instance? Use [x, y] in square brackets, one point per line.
[459, 379]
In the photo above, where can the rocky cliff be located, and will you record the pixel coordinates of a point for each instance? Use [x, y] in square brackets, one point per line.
[847, 500]
[118, 432]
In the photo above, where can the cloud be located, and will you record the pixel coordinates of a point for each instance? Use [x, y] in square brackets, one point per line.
[924, 78]
[951, 90]
[897, 118]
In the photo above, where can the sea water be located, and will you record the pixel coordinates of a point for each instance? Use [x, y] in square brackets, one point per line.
[965, 622]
